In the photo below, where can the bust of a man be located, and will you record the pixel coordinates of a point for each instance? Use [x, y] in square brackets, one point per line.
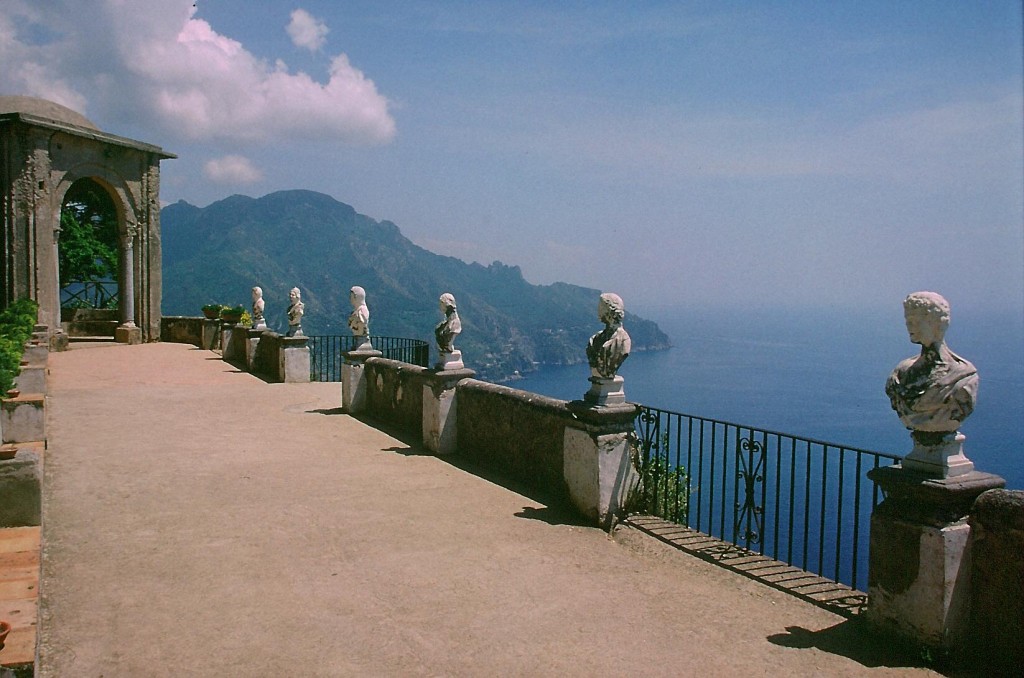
[359, 318]
[295, 311]
[257, 307]
[449, 328]
[607, 349]
[934, 392]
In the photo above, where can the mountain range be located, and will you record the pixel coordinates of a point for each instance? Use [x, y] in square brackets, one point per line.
[309, 240]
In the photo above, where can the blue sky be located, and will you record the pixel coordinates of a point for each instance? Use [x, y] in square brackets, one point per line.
[738, 153]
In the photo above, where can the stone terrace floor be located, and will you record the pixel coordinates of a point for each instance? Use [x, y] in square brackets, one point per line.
[201, 522]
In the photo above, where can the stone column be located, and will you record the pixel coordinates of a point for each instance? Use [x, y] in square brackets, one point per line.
[597, 460]
[920, 557]
[293, 360]
[353, 379]
[439, 403]
[128, 333]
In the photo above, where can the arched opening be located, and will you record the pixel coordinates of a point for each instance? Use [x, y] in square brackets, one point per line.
[88, 259]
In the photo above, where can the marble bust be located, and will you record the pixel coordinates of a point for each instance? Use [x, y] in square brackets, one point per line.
[609, 348]
[450, 327]
[258, 321]
[295, 312]
[935, 391]
[606, 352]
[449, 358]
[359, 318]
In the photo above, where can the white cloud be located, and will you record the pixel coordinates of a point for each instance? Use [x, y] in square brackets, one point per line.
[306, 31]
[161, 69]
[232, 169]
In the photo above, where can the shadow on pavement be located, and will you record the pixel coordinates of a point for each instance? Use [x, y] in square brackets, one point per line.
[852, 639]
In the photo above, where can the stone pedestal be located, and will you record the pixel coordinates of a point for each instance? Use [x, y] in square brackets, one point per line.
[252, 343]
[233, 342]
[605, 391]
[448, 361]
[294, 360]
[211, 334]
[353, 380]
[439, 409]
[597, 461]
[939, 455]
[128, 334]
[920, 557]
[23, 419]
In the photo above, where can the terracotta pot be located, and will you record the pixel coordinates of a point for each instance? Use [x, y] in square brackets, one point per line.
[8, 452]
[5, 628]
[211, 313]
[13, 393]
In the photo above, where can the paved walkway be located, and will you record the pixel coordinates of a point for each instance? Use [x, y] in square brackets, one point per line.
[201, 522]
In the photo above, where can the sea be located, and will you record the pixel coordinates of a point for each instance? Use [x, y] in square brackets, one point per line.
[817, 373]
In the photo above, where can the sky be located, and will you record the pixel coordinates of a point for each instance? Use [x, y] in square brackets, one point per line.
[743, 154]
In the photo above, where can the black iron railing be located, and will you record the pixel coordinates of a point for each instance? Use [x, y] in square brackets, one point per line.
[89, 294]
[797, 500]
[326, 353]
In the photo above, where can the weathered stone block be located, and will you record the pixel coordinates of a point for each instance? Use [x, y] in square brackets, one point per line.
[440, 433]
[23, 419]
[294, 360]
[919, 577]
[128, 334]
[354, 388]
[32, 379]
[597, 462]
[20, 483]
[997, 581]
[211, 334]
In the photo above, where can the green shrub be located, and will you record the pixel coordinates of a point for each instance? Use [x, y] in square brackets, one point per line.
[16, 324]
[663, 490]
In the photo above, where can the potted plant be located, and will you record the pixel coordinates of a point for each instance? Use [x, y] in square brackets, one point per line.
[212, 311]
[232, 314]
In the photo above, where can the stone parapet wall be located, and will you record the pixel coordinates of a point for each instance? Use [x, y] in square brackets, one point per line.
[516, 433]
[394, 393]
[997, 580]
[182, 330]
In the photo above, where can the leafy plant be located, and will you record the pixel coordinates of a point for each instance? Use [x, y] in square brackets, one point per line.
[16, 323]
[213, 307]
[88, 238]
[663, 490]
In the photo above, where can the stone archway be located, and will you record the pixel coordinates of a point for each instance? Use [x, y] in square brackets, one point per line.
[44, 149]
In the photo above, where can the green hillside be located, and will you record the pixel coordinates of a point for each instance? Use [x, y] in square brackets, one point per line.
[311, 241]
